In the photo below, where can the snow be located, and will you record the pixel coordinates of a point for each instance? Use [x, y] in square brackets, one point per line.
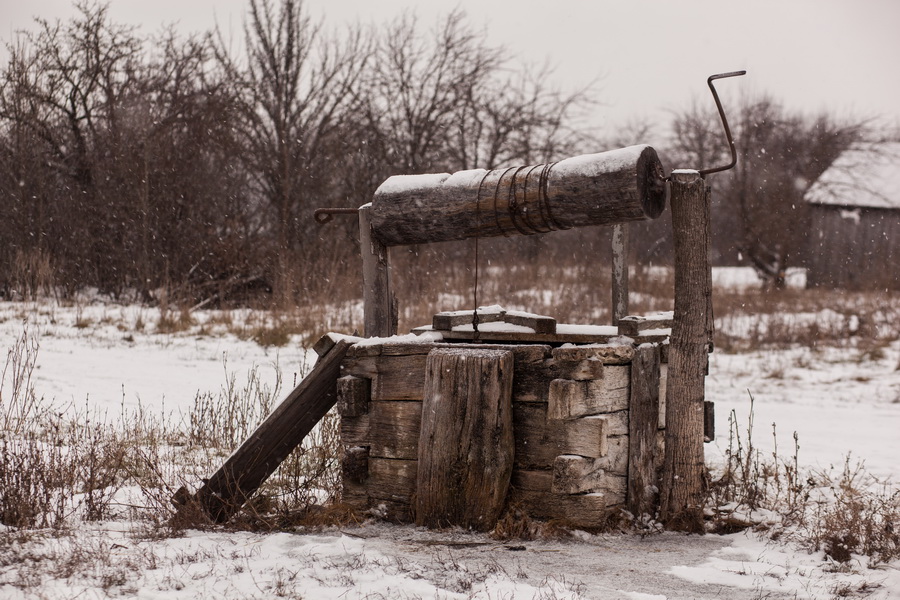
[837, 404]
[592, 165]
[470, 178]
[867, 175]
[745, 278]
[493, 309]
[658, 316]
[426, 337]
[108, 369]
[836, 401]
[564, 329]
[495, 327]
[402, 184]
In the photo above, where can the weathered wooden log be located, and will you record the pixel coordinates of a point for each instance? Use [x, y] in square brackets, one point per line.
[389, 429]
[682, 482]
[466, 444]
[643, 424]
[353, 396]
[570, 399]
[594, 189]
[539, 440]
[379, 303]
[533, 491]
[619, 275]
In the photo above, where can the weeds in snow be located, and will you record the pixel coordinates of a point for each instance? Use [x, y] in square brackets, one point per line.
[844, 515]
[18, 402]
[59, 467]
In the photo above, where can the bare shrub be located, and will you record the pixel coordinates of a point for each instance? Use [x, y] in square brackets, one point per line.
[100, 454]
[56, 468]
[174, 320]
[856, 516]
[845, 515]
[311, 475]
[51, 466]
[19, 404]
[36, 483]
[33, 275]
[749, 481]
[223, 420]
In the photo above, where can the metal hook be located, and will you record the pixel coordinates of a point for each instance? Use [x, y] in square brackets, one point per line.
[324, 215]
[705, 172]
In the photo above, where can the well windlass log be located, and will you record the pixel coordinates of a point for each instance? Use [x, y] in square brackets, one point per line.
[594, 189]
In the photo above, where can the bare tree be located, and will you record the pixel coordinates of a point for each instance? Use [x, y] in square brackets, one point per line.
[758, 208]
[514, 118]
[298, 88]
[122, 163]
[417, 86]
[63, 87]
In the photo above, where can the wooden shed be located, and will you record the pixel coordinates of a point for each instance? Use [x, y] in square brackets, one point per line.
[854, 207]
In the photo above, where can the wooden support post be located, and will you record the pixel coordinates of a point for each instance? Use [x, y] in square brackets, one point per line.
[466, 443]
[247, 468]
[643, 424]
[682, 485]
[379, 308]
[619, 272]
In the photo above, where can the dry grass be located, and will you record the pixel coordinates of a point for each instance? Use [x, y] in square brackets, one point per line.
[58, 469]
[780, 318]
[845, 514]
[33, 274]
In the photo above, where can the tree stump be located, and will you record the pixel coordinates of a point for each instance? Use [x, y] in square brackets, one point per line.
[466, 444]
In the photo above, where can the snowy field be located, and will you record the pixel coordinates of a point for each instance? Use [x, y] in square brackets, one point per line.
[107, 358]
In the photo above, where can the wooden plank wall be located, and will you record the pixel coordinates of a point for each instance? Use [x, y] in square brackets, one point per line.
[570, 422]
[853, 247]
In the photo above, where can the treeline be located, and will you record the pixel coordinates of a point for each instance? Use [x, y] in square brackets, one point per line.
[149, 164]
[136, 163]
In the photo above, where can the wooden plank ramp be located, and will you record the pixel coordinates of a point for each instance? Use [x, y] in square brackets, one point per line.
[226, 491]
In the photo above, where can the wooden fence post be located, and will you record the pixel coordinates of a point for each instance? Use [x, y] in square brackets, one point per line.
[683, 479]
[619, 272]
[643, 424]
[379, 314]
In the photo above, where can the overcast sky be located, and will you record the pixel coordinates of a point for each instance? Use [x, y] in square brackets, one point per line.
[649, 56]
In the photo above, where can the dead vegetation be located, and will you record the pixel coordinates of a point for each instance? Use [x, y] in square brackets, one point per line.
[58, 471]
[845, 513]
[58, 467]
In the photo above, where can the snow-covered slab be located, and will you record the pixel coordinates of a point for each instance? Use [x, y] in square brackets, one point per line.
[448, 319]
[658, 323]
[494, 327]
[519, 321]
[565, 334]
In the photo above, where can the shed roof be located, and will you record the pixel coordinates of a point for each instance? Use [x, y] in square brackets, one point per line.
[864, 175]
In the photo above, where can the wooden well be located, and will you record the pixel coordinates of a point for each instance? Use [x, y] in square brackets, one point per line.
[583, 437]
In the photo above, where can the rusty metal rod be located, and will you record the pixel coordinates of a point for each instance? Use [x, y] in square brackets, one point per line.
[709, 82]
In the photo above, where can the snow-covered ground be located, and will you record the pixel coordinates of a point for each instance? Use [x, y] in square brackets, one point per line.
[108, 357]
